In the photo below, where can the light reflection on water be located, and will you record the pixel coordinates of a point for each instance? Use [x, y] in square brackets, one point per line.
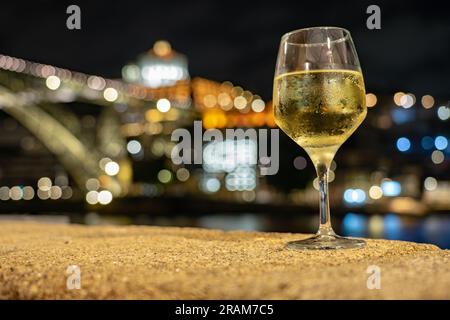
[433, 229]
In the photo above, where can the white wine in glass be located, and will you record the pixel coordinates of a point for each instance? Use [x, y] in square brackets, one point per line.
[319, 101]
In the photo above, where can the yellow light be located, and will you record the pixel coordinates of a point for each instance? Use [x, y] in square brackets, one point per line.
[258, 105]
[397, 98]
[102, 163]
[28, 193]
[240, 102]
[172, 115]
[164, 176]
[112, 168]
[375, 192]
[15, 193]
[53, 82]
[225, 101]
[44, 183]
[158, 148]
[371, 100]
[214, 119]
[92, 197]
[183, 174]
[96, 83]
[430, 184]
[376, 226]
[427, 101]
[110, 94]
[209, 101]
[4, 193]
[162, 48]
[43, 194]
[163, 105]
[55, 192]
[437, 157]
[154, 128]
[92, 184]
[66, 192]
[105, 197]
[153, 115]
[237, 91]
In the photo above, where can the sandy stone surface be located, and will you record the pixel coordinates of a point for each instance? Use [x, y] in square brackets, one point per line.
[185, 263]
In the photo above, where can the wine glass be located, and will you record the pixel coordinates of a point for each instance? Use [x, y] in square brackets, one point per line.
[319, 101]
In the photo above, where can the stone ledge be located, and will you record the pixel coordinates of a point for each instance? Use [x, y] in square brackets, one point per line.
[141, 262]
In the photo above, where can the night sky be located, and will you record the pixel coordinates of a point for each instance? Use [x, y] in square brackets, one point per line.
[233, 40]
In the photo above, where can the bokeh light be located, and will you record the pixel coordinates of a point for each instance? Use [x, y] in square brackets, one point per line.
[110, 94]
[371, 100]
[441, 142]
[53, 82]
[163, 105]
[430, 184]
[437, 157]
[403, 144]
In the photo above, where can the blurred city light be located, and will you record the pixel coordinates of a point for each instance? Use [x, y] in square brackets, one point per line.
[44, 183]
[53, 82]
[430, 184]
[441, 143]
[164, 176]
[427, 143]
[354, 225]
[371, 100]
[437, 157]
[443, 113]
[210, 185]
[392, 226]
[110, 94]
[376, 226]
[92, 197]
[375, 192]
[258, 105]
[427, 101]
[92, 184]
[134, 147]
[397, 98]
[300, 163]
[183, 174]
[112, 168]
[105, 197]
[407, 100]
[391, 188]
[403, 144]
[163, 105]
[15, 193]
[402, 116]
[354, 196]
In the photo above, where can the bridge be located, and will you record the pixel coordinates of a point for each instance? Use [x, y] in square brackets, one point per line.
[44, 98]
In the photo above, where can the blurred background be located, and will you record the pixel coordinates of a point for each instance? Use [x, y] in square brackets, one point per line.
[86, 117]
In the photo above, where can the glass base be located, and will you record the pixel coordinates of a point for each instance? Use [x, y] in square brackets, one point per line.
[326, 242]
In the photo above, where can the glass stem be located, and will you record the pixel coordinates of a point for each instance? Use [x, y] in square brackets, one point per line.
[325, 227]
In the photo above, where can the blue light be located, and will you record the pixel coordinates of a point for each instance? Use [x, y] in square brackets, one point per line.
[401, 115]
[354, 196]
[427, 143]
[348, 195]
[360, 196]
[403, 144]
[391, 188]
[392, 226]
[354, 225]
[440, 142]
